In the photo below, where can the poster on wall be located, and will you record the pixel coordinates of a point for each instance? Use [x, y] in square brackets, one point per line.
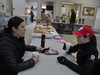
[86, 11]
[2, 7]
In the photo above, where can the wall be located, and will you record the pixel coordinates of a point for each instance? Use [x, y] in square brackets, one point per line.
[19, 7]
[8, 6]
[3, 2]
[97, 20]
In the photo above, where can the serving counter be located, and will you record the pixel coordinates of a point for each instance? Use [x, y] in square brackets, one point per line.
[66, 24]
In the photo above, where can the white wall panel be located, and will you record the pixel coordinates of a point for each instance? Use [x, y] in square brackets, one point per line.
[19, 7]
[97, 20]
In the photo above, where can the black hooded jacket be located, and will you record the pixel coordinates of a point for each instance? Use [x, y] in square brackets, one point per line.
[87, 57]
[73, 17]
[12, 50]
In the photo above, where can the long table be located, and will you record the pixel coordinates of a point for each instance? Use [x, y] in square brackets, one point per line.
[48, 64]
[66, 23]
[76, 26]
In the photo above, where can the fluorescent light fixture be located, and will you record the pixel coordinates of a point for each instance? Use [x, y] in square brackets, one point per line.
[67, 3]
[43, 6]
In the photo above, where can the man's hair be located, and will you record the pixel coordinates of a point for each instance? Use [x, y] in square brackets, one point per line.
[32, 7]
[72, 9]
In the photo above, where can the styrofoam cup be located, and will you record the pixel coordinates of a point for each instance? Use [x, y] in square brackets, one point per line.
[35, 53]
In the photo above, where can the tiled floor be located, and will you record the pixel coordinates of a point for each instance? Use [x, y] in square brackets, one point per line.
[69, 38]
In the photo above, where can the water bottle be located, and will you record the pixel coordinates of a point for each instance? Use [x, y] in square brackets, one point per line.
[83, 21]
[43, 41]
[79, 21]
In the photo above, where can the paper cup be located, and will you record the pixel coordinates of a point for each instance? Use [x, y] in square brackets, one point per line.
[35, 53]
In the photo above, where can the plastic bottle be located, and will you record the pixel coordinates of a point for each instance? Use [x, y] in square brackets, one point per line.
[79, 21]
[83, 21]
[43, 41]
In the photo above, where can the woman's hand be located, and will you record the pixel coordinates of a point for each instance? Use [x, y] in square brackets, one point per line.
[40, 49]
[36, 58]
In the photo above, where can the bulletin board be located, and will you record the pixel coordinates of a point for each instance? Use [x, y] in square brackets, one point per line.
[88, 11]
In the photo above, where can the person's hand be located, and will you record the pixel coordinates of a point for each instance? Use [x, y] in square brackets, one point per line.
[67, 46]
[40, 49]
[62, 59]
[36, 58]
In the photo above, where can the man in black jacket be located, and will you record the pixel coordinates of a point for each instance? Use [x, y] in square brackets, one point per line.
[72, 21]
[12, 48]
[32, 14]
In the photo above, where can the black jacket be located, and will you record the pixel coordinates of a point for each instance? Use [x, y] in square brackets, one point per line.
[32, 14]
[73, 17]
[12, 50]
[87, 56]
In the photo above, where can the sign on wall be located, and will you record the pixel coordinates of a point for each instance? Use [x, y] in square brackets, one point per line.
[2, 7]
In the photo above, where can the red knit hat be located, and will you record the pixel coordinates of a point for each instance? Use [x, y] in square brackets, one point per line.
[85, 30]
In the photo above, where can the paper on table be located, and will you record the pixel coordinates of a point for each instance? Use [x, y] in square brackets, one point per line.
[53, 33]
[61, 41]
[38, 35]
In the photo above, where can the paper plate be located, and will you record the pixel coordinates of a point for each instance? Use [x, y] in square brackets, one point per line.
[57, 37]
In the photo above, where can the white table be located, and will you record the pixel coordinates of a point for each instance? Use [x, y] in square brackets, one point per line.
[48, 64]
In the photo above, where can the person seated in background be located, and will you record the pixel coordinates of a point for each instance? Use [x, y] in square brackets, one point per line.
[87, 53]
[12, 48]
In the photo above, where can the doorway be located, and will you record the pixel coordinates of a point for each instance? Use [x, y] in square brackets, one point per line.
[47, 8]
[66, 9]
[97, 22]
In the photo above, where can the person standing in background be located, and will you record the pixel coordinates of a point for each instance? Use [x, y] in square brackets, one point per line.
[32, 14]
[72, 21]
[43, 12]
